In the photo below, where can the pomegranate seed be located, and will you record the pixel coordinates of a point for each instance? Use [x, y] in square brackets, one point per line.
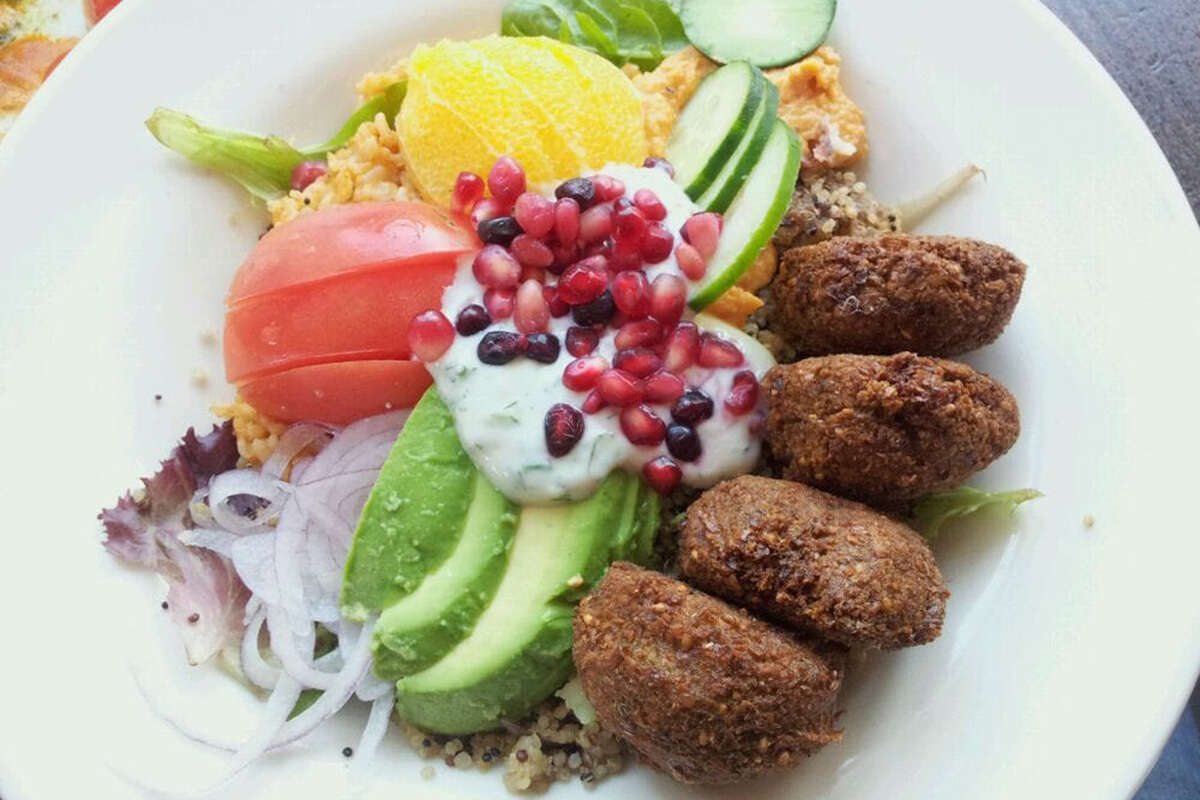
[533, 274]
[618, 319]
[564, 256]
[718, 352]
[468, 190]
[598, 312]
[531, 252]
[626, 256]
[619, 388]
[743, 396]
[657, 243]
[306, 173]
[641, 333]
[581, 341]
[581, 190]
[582, 373]
[631, 293]
[596, 224]
[654, 162]
[566, 221]
[662, 474]
[535, 214]
[499, 302]
[593, 402]
[607, 188]
[495, 268]
[622, 203]
[683, 347]
[601, 248]
[648, 203]
[430, 335]
[542, 347]
[639, 362]
[703, 232]
[564, 428]
[558, 306]
[485, 209]
[506, 180]
[642, 426]
[683, 442]
[584, 281]
[668, 296]
[691, 263]
[501, 230]
[663, 388]
[692, 408]
[471, 320]
[499, 347]
[531, 313]
[757, 424]
[630, 226]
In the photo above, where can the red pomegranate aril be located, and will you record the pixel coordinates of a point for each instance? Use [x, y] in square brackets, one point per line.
[743, 396]
[542, 347]
[499, 302]
[531, 313]
[703, 232]
[584, 281]
[638, 361]
[468, 190]
[657, 243]
[497, 348]
[630, 225]
[306, 173]
[596, 224]
[607, 188]
[535, 214]
[626, 256]
[531, 252]
[506, 180]
[662, 388]
[683, 442]
[663, 474]
[564, 428]
[642, 426]
[533, 274]
[683, 348]
[640, 333]
[558, 306]
[692, 408]
[581, 341]
[564, 256]
[471, 320]
[648, 203]
[718, 352]
[619, 388]
[430, 335]
[631, 293]
[593, 403]
[488, 208]
[691, 263]
[668, 296]
[566, 221]
[653, 162]
[582, 374]
[495, 268]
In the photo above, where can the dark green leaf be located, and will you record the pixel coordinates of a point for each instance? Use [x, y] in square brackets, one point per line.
[641, 32]
[595, 36]
[934, 510]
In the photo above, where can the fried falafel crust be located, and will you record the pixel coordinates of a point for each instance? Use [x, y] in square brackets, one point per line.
[701, 689]
[885, 430]
[934, 295]
[820, 564]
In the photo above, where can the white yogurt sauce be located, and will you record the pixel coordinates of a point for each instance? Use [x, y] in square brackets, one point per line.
[500, 411]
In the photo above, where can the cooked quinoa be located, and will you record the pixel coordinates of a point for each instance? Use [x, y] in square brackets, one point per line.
[257, 434]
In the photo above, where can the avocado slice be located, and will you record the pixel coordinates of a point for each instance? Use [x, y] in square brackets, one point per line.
[520, 648]
[416, 513]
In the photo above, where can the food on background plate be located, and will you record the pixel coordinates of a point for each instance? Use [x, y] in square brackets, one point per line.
[517, 334]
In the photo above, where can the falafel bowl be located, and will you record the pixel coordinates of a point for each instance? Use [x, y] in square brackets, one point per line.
[586, 412]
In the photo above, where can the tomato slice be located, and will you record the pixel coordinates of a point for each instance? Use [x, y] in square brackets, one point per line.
[348, 238]
[338, 393]
[352, 316]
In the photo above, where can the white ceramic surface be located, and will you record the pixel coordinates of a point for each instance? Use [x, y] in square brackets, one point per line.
[1067, 651]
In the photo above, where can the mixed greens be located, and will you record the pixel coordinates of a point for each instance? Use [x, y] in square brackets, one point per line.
[639, 32]
[933, 511]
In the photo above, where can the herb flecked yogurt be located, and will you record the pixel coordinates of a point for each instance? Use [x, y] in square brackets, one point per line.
[554, 381]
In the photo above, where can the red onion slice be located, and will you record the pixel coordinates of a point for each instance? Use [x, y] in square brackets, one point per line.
[294, 441]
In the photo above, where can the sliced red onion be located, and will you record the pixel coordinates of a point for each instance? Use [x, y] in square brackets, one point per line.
[275, 713]
[254, 559]
[374, 732]
[295, 653]
[218, 540]
[254, 667]
[294, 441]
[240, 482]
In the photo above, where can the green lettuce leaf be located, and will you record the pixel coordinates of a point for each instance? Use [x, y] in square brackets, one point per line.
[934, 510]
[640, 32]
[261, 164]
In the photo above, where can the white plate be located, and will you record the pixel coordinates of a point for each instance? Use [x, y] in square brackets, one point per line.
[1067, 651]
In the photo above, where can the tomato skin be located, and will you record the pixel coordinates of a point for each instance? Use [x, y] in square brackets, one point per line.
[338, 393]
[94, 10]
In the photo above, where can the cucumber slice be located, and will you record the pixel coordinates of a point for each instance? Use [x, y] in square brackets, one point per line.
[733, 177]
[713, 124]
[767, 33]
[755, 213]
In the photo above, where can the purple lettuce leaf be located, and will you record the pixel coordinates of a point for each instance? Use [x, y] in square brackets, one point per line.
[205, 597]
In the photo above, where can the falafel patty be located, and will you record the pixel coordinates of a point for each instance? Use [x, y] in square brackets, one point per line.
[934, 295]
[699, 688]
[815, 562]
[886, 429]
